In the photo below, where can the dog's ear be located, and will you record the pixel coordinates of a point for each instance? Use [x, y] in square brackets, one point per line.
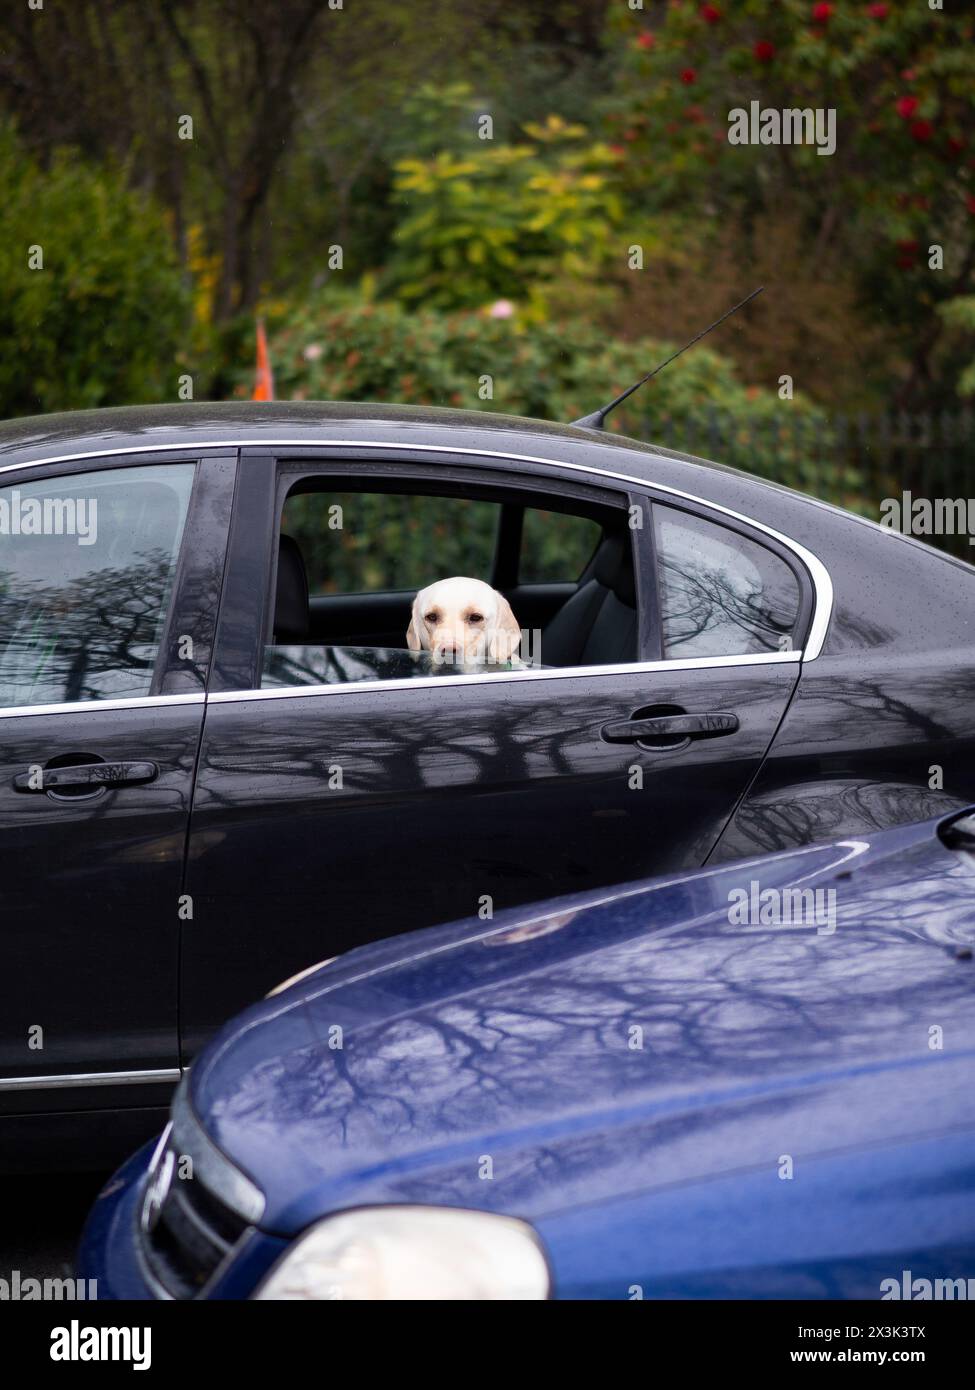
[505, 638]
[416, 633]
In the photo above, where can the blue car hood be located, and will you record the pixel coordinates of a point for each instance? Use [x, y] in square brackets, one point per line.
[614, 1041]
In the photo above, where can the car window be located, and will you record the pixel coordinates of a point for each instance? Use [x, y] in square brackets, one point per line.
[555, 547]
[720, 593]
[335, 665]
[368, 542]
[86, 571]
[350, 563]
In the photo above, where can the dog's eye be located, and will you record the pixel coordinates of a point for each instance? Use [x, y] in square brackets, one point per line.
[430, 617]
[475, 618]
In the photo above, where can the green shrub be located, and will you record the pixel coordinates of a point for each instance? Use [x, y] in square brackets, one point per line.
[499, 220]
[347, 349]
[960, 313]
[102, 322]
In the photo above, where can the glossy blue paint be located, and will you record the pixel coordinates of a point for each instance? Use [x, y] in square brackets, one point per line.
[108, 1248]
[648, 1160]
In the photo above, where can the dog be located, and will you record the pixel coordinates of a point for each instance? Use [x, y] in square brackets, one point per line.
[463, 621]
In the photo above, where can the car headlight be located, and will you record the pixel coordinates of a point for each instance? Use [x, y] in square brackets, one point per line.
[392, 1252]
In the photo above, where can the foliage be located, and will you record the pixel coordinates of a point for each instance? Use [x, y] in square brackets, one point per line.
[390, 540]
[292, 107]
[960, 313]
[500, 221]
[318, 128]
[102, 322]
[348, 349]
[900, 78]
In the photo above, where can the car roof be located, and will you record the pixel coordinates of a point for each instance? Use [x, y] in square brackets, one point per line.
[206, 422]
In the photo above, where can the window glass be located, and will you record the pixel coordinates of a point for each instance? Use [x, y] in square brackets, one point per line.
[721, 594]
[555, 547]
[367, 542]
[333, 665]
[86, 572]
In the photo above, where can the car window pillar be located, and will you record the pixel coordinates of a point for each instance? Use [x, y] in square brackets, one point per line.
[186, 648]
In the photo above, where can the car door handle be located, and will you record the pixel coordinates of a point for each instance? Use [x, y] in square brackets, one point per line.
[670, 726]
[93, 775]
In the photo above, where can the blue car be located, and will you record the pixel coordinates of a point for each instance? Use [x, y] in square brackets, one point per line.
[751, 1081]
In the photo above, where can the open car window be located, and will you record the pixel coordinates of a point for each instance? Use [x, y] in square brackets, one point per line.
[351, 559]
[374, 542]
[555, 547]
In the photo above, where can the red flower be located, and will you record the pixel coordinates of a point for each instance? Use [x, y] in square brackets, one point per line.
[909, 246]
[908, 74]
[906, 106]
[822, 12]
[646, 40]
[617, 149]
[970, 203]
[955, 145]
[710, 14]
[764, 51]
[688, 76]
[878, 11]
[922, 130]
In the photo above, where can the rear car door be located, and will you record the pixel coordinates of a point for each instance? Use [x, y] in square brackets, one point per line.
[110, 575]
[344, 796]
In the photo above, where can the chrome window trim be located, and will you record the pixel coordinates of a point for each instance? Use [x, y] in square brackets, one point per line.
[73, 1079]
[634, 668]
[818, 573]
[191, 697]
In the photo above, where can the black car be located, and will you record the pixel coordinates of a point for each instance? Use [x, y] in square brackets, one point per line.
[222, 764]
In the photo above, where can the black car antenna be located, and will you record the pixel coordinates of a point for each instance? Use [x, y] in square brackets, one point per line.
[595, 420]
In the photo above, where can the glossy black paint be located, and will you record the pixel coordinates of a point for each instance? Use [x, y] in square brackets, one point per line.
[90, 931]
[451, 793]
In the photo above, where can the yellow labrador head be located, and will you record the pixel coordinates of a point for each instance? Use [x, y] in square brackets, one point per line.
[463, 621]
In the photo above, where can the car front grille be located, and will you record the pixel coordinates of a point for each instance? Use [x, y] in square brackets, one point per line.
[196, 1208]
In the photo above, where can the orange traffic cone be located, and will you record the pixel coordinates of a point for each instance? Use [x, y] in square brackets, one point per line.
[264, 378]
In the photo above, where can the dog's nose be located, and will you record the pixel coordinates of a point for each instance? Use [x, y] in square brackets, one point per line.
[444, 651]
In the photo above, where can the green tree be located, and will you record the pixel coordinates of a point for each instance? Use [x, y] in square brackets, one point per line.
[94, 309]
[502, 220]
[901, 80]
[294, 107]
